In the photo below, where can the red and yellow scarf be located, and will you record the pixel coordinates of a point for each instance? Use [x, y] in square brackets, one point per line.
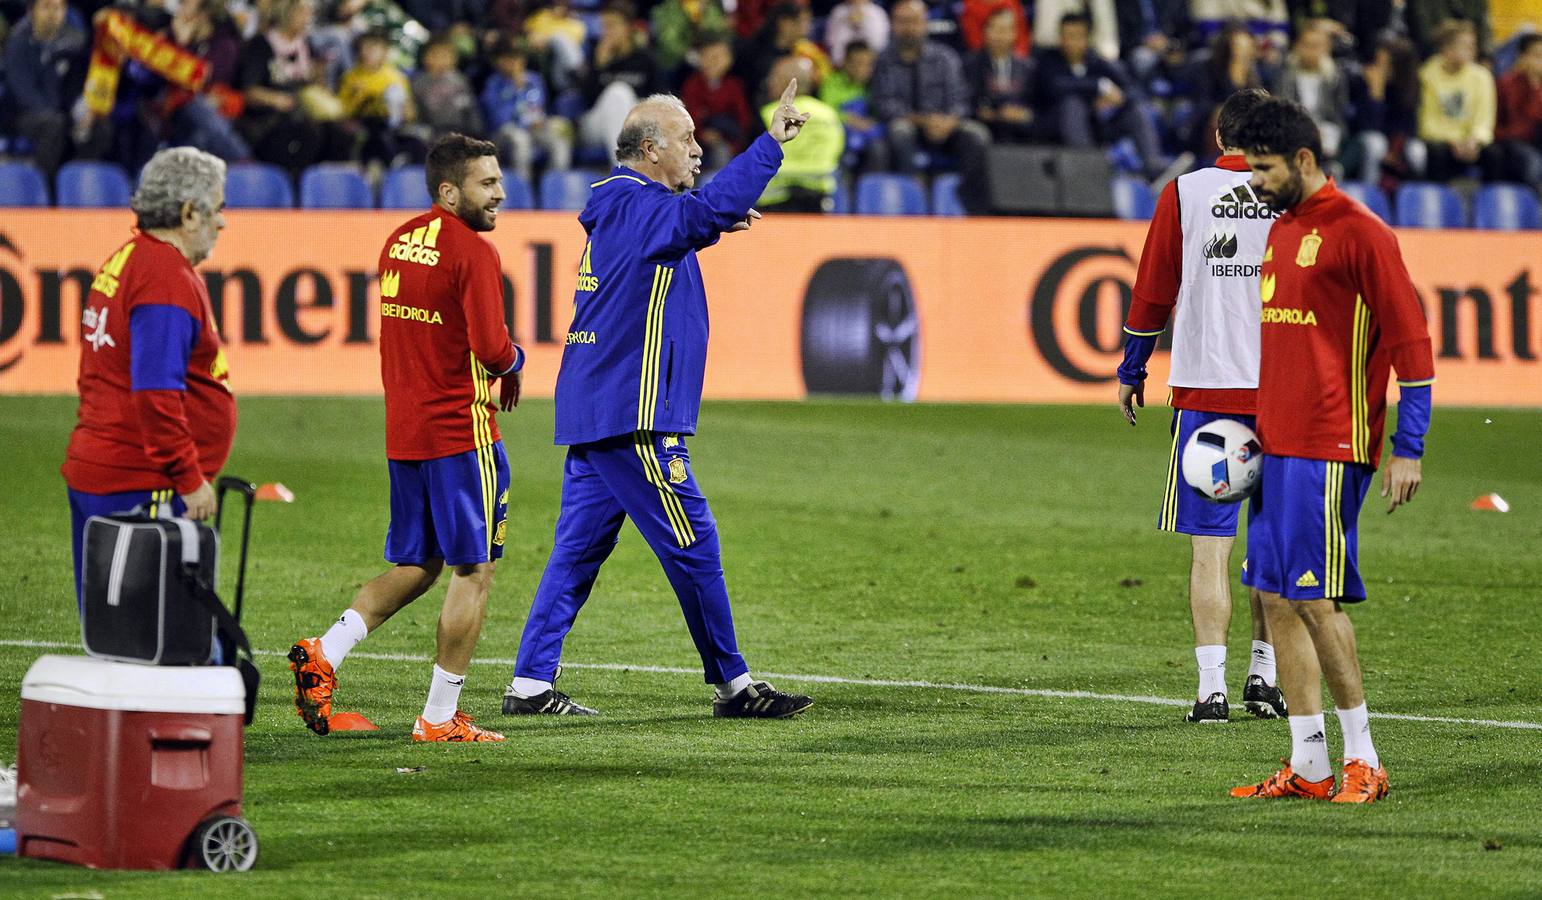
[119, 38]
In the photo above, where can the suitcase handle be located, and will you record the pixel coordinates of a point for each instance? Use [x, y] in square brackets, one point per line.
[249, 492]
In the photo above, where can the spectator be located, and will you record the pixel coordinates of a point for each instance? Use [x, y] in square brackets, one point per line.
[1385, 97]
[1426, 18]
[559, 35]
[975, 14]
[1518, 149]
[378, 96]
[856, 20]
[1002, 82]
[919, 93]
[514, 106]
[620, 72]
[442, 94]
[678, 26]
[1090, 98]
[1367, 22]
[846, 92]
[805, 181]
[717, 103]
[1232, 66]
[1102, 23]
[1311, 78]
[786, 31]
[45, 70]
[203, 119]
[285, 120]
[1267, 20]
[1457, 103]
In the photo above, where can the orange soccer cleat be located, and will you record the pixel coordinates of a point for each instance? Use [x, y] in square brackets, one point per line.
[314, 682]
[458, 728]
[1286, 783]
[1362, 784]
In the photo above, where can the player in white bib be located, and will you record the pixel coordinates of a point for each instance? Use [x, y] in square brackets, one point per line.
[1200, 266]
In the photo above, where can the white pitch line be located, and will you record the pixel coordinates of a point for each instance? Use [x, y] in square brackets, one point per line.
[862, 682]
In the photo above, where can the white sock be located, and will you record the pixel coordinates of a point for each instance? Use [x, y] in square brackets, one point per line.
[1356, 724]
[730, 688]
[525, 688]
[1309, 748]
[340, 639]
[1212, 669]
[443, 696]
[1263, 662]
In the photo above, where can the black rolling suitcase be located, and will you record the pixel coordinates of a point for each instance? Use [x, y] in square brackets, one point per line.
[148, 591]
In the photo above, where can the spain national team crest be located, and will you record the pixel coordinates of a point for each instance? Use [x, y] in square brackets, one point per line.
[1307, 254]
[676, 470]
[499, 532]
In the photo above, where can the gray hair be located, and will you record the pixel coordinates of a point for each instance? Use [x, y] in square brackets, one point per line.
[641, 127]
[171, 178]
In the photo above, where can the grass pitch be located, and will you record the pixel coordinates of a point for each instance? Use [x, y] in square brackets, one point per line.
[995, 546]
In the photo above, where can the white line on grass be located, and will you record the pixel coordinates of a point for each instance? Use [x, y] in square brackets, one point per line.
[864, 682]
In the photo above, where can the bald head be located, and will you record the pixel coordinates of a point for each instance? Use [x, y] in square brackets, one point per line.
[658, 139]
[786, 69]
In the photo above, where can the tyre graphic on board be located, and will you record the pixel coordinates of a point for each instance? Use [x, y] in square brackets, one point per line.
[861, 333]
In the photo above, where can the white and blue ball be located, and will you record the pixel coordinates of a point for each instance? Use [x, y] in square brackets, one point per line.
[1222, 461]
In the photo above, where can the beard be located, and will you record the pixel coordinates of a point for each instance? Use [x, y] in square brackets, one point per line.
[476, 216]
[1288, 195]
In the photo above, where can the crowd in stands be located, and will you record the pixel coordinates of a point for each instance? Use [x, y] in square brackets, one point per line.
[1402, 89]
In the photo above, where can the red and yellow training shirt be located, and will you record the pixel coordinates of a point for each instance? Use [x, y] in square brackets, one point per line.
[1339, 312]
[156, 409]
[442, 337]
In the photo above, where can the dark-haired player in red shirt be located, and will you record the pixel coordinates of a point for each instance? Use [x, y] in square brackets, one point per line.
[1339, 313]
[442, 344]
[156, 417]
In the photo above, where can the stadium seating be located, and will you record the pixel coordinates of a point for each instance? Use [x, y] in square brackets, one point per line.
[93, 184]
[335, 186]
[842, 196]
[567, 190]
[890, 195]
[1426, 205]
[22, 185]
[257, 186]
[404, 188]
[1506, 207]
[945, 200]
[1133, 200]
[517, 193]
[1371, 196]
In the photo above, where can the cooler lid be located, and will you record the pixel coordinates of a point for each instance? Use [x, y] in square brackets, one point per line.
[103, 684]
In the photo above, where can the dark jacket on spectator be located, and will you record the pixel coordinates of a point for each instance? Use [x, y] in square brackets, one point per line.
[1520, 109]
[636, 69]
[934, 83]
[1057, 78]
[45, 75]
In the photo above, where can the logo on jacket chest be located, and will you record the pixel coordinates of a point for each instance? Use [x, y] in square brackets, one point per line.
[417, 245]
[587, 282]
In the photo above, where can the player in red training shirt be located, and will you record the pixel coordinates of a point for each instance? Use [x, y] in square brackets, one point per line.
[156, 416]
[1339, 313]
[442, 344]
[1200, 267]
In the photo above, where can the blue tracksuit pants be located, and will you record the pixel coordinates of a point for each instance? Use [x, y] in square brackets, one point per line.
[645, 476]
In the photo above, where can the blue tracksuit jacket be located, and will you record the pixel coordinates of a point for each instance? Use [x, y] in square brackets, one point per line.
[637, 349]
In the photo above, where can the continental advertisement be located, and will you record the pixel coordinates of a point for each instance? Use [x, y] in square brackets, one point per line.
[1002, 310]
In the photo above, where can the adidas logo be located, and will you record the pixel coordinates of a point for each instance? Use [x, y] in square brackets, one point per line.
[417, 245]
[1316, 738]
[1240, 203]
[1307, 579]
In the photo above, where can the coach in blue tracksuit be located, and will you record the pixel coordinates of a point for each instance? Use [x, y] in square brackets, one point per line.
[628, 394]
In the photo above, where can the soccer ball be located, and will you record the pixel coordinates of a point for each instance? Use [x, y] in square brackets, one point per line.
[1222, 461]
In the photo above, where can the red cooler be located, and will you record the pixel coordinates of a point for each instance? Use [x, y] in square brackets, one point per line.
[124, 766]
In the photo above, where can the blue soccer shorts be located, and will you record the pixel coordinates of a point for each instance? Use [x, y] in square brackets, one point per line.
[452, 508]
[1302, 537]
[1184, 509]
[157, 504]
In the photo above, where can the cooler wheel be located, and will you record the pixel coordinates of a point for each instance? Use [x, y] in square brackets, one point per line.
[223, 844]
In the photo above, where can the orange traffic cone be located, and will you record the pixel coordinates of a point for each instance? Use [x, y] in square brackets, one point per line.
[1491, 501]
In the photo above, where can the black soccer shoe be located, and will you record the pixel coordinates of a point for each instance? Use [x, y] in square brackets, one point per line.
[550, 702]
[1263, 699]
[760, 701]
[1210, 711]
